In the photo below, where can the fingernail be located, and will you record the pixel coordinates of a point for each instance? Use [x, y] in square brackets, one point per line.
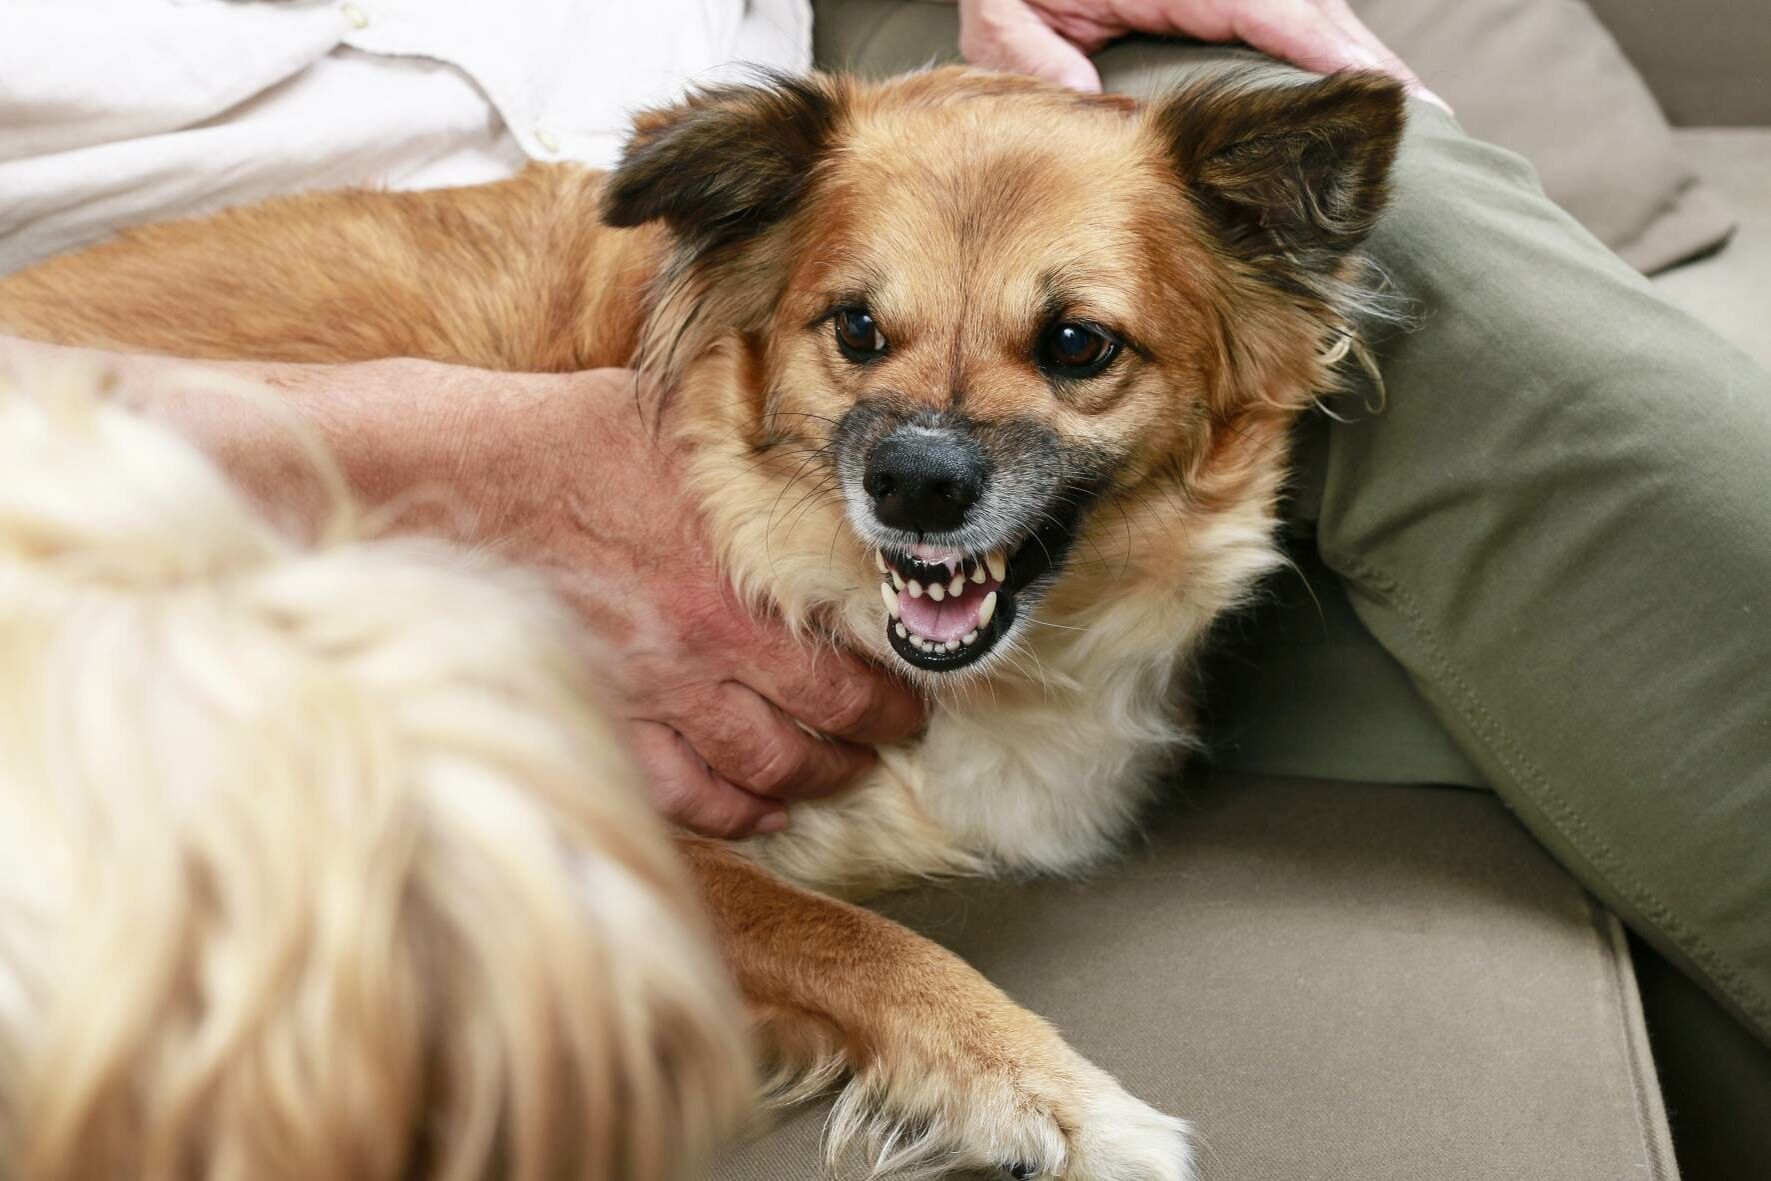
[772, 822]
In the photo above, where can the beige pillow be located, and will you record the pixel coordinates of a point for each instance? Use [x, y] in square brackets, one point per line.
[1544, 78]
[1541, 77]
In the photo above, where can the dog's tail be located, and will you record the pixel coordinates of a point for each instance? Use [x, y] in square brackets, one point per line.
[317, 861]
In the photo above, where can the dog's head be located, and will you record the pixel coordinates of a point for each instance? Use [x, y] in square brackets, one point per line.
[987, 310]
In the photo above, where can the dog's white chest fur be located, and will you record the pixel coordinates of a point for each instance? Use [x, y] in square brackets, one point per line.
[1044, 769]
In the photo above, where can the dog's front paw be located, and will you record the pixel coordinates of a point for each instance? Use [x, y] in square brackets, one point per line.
[1121, 1138]
[1027, 1118]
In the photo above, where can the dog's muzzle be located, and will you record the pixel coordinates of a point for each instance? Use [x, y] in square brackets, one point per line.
[967, 521]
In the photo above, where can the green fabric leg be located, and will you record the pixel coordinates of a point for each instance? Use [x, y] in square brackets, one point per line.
[1559, 526]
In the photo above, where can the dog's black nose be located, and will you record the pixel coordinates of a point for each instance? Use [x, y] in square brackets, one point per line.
[923, 481]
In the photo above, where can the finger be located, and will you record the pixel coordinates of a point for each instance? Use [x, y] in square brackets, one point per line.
[750, 743]
[836, 693]
[688, 792]
[1302, 34]
[1381, 56]
[1014, 39]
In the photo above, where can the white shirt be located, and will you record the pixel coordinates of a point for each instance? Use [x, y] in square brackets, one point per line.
[119, 112]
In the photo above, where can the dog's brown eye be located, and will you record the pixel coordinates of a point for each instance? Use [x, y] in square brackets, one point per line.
[858, 336]
[1076, 350]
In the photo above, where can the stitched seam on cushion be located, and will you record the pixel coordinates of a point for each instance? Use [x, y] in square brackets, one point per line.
[1642, 1076]
[1501, 745]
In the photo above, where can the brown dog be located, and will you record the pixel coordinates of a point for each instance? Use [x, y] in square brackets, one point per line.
[1047, 346]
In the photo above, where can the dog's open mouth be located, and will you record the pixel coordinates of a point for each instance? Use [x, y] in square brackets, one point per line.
[946, 608]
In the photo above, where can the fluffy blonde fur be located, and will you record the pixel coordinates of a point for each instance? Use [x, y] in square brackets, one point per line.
[299, 878]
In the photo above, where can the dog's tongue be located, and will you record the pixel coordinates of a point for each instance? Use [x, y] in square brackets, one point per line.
[947, 620]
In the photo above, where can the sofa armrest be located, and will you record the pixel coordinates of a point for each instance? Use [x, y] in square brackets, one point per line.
[1707, 61]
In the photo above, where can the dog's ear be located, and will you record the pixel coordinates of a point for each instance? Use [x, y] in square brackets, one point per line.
[1290, 177]
[726, 161]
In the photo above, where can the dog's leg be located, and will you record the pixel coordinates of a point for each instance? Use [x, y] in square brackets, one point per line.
[519, 275]
[945, 1072]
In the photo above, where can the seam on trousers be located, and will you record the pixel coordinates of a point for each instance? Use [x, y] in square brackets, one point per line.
[1644, 1082]
[1502, 746]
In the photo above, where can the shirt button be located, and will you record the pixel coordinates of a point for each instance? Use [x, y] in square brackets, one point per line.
[547, 139]
[354, 13]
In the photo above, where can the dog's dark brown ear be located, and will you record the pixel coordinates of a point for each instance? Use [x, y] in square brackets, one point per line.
[726, 161]
[1291, 177]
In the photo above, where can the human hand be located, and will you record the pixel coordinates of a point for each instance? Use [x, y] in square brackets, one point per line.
[1052, 39]
[718, 699]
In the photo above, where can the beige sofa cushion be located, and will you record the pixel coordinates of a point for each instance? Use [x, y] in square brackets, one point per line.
[1731, 291]
[1545, 78]
[1333, 981]
[1707, 61]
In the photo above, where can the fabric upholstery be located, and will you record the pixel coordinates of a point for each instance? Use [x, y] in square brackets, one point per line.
[1707, 61]
[1545, 79]
[1335, 982]
[1731, 290]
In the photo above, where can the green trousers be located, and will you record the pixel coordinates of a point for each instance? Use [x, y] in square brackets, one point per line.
[1554, 540]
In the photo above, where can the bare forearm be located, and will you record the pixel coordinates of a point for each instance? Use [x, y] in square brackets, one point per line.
[399, 430]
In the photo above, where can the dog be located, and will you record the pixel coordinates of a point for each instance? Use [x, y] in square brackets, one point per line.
[986, 378]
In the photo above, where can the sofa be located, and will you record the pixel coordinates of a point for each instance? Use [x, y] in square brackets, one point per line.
[1344, 979]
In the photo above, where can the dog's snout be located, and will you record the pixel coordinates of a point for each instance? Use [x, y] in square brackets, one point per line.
[924, 481]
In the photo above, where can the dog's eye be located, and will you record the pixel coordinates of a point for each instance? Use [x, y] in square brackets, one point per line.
[858, 336]
[1076, 350]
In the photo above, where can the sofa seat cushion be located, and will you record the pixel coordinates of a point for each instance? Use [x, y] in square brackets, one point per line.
[1331, 980]
[1548, 81]
[1731, 289]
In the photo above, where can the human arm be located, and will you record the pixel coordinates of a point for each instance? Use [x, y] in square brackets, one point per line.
[559, 472]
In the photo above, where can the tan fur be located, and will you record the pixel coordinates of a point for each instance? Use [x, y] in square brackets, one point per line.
[355, 276]
[954, 197]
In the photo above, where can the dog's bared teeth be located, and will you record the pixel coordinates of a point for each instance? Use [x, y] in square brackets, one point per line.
[891, 599]
[937, 592]
[978, 574]
[879, 560]
[969, 637]
[998, 564]
[902, 634]
[897, 580]
[917, 642]
[957, 586]
[987, 611]
[915, 589]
